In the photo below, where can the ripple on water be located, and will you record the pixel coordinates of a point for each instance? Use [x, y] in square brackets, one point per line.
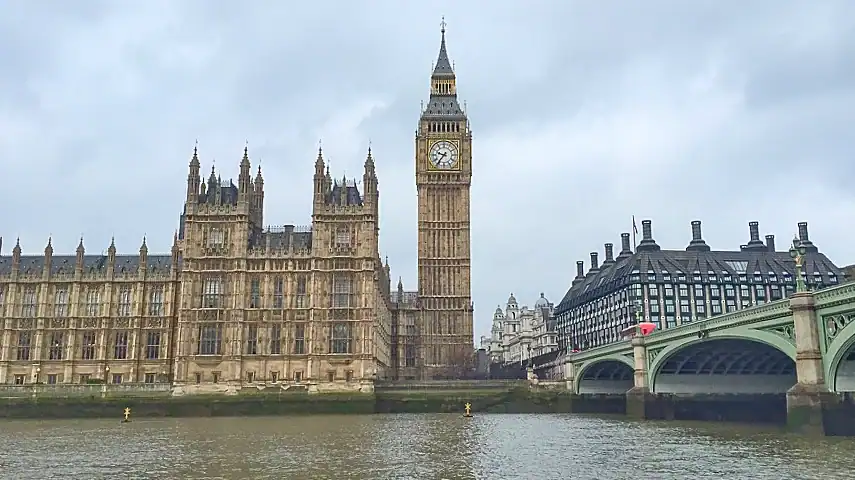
[412, 447]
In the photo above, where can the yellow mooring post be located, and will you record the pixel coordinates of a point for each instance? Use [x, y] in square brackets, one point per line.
[468, 408]
[127, 415]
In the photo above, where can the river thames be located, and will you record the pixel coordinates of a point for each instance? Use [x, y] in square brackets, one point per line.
[422, 447]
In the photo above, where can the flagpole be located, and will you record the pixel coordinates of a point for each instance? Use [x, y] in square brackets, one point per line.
[634, 230]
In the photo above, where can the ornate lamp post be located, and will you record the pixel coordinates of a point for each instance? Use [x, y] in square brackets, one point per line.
[797, 252]
[639, 312]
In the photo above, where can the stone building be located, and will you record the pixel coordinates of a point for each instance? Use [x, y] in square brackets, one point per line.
[522, 333]
[236, 303]
[81, 318]
[677, 287]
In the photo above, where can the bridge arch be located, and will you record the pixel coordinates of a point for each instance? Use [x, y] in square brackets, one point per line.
[841, 366]
[610, 374]
[751, 362]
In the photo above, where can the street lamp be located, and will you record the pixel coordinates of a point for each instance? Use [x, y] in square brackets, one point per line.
[639, 312]
[797, 252]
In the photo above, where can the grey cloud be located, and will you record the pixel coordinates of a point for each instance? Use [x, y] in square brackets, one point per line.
[584, 113]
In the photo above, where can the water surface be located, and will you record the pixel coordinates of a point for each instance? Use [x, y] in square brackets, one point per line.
[423, 447]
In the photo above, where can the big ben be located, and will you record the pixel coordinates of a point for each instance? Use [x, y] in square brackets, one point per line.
[443, 178]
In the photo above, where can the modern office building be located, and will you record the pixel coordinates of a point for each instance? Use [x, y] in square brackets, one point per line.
[676, 287]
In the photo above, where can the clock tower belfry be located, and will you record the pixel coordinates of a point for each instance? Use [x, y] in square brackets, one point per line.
[443, 177]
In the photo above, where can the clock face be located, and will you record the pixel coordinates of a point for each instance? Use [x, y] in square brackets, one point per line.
[443, 155]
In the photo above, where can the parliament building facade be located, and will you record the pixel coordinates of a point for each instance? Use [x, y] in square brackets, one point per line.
[236, 304]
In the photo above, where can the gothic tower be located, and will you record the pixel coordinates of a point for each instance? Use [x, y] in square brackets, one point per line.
[443, 177]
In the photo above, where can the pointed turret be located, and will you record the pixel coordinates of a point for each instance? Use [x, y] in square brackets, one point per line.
[193, 179]
[245, 178]
[16, 253]
[259, 181]
[48, 258]
[175, 252]
[319, 180]
[369, 181]
[81, 251]
[212, 185]
[111, 256]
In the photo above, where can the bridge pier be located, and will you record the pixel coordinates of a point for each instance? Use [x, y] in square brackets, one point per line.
[640, 402]
[809, 399]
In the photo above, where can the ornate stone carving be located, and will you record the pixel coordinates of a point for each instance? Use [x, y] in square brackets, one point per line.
[90, 323]
[25, 323]
[122, 323]
[58, 323]
[152, 323]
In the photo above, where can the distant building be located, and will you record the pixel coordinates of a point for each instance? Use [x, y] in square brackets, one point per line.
[849, 271]
[521, 333]
[676, 287]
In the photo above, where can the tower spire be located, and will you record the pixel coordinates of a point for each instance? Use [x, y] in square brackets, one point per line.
[443, 66]
[443, 102]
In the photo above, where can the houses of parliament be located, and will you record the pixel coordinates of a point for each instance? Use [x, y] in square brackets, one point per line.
[235, 304]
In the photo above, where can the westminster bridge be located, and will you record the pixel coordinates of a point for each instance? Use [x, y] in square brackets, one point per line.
[799, 350]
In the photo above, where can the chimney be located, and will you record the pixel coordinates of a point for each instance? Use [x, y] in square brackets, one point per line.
[625, 248]
[754, 231]
[754, 242]
[770, 243]
[580, 272]
[594, 264]
[610, 254]
[697, 244]
[804, 239]
[647, 243]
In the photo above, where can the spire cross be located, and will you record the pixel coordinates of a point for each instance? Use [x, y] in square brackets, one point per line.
[442, 25]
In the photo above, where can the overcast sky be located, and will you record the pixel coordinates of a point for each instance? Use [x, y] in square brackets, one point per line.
[584, 114]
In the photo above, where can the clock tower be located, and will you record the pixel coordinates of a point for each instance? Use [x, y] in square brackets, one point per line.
[443, 178]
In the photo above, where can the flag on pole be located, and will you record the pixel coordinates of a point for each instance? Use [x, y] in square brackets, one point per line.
[634, 232]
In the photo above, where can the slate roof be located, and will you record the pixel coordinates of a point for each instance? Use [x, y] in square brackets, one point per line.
[283, 238]
[351, 194]
[751, 260]
[91, 263]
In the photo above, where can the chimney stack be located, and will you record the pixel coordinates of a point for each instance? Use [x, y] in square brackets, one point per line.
[625, 247]
[754, 231]
[580, 272]
[594, 264]
[754, 242]
[770, 243]
[697, 244]
[610, 254]
[647, 243]
[805, 239]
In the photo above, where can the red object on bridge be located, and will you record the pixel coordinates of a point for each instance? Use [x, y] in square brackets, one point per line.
[644, 328]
